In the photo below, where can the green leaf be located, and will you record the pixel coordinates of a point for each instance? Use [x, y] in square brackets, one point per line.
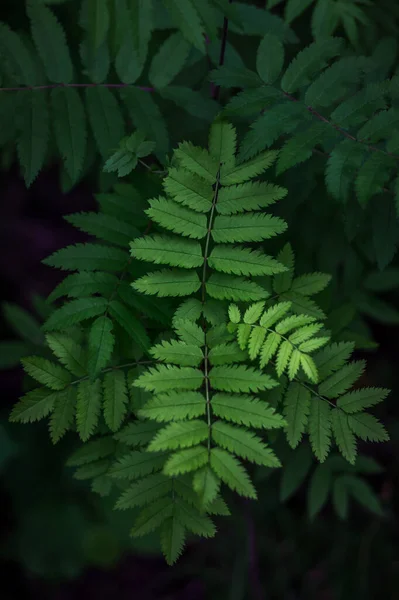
[222, 144]
[144, 491]
[138, 433]
[20, 61]
[75, 312]
[308, 62]
[189, 332]
[88, 257]
[283, 281]
[234, 313]
[115, 399]
[340, 498]
[68, 352]
[186, 460]
[105, 119]
[88, 408]
[232, 473]
[189, 189]
[179, 435]
[371, 178]
[332, 358]
[178, 353]
[224, 354]
[360, 399]
[129, 323]
[310, 284]
[97, 21]
[206, 485]
[167, 250]
[101, 345]
[169, 60]
[146, 116]
[250, 169]
[247, 228]
[166, 377]
[62, 417]
[296, 412]
[253, 313]
[244, 443]
[320, 485]
[92, 451]
[137, 464]
[172, 539]
[363, 493]
[185, 17]
[309, 367]
[85, 283]
[295, 471]
[367, 427]
[342, 380]
[343, 436]
[105, 227]
[240, 378]
[198, 161]
[33, 406]
[48, 373]
[176, 218]
[22, 323]
[270, 58]
[70, 129]
[168, 282]
[235, 76]
[49, 38]
[174, 406]
[226, 287]
[248, 196]
[152, 517]
[195, 103]
[246, 410]
[320, 428]
[34, 129]
[385, 232]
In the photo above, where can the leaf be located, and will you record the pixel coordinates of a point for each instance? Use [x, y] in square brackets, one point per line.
[144, 491]
[295, 471]
[129, 323]
[178, 353]
[172, 539]
[101, 345]
[97, 21]
[195, 103]
[92, 451]
[46, 372]
[167, 250]
[367, 427]
[360, 399]
[224, 354]
[246, 410]
[226, 287]
[197, 161]
[186, 460]
[115, 399]
[174, 406]
[222, 144]
[185, 17]
[88, 257]
[189, 189]
[343, 436]
[32, 142]
[104, 227]
[179, 435]
[49, 38]
[247, 228]
[137, 464]
[332, 358]
[232, 473]
[308, 365]
[239, 378]
[320, 485]
[22, 323]
[270, 58]
[308, 62]
[75, 312]
[342, 380]
[340, 497]
[189, 332]
[139, 433]
[320, 428]
[70, 129]
[385, 232]
[146, 115]
[234, 76]
[168, 282]
[310, 284]
[33, 406]
[283, 281]
[250, 169]
[371, 177]
[88, 408]
[166, 377]
[105, 118]
[248, 196]
[68, 352]
[363, 494]
[152, 517]
[296, 412]
[169, 60]
[206, 485]
[62, 417]
[244, 443]
[176, 218]
[234, 313]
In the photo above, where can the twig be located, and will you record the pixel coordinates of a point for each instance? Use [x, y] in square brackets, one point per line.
[216, 90]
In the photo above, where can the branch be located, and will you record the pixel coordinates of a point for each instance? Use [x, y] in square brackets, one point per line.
[216, 90]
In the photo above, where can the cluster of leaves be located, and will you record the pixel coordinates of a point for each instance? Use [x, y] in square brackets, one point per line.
[171, 435]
